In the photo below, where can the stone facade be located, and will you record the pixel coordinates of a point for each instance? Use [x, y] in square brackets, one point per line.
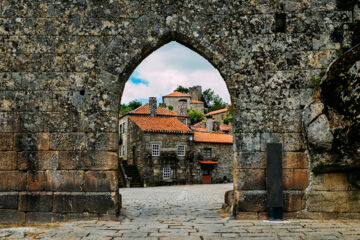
[177, 102]
[138, 139]
[65, 64]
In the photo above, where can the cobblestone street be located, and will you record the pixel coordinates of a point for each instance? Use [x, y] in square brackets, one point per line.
[182, 212]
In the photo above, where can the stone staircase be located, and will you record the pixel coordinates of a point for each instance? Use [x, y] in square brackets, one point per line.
[133, 175]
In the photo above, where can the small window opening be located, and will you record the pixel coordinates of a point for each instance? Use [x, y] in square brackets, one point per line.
[280, 22]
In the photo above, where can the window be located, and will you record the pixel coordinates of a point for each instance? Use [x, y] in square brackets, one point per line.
[280, 22]
[138, 152]
[156, 150]
[120, 128]
[207, 152]
[166, 173]
[123, 127]
[181, 150]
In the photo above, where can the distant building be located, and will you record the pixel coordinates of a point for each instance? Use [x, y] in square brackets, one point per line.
[157, 147]
[181, 101]
[218, 115]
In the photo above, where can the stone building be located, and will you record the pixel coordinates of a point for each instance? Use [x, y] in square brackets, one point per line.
[218, 115]
[157, 148]
[179, 100]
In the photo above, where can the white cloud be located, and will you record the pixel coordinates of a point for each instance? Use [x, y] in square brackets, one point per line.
[170, 66]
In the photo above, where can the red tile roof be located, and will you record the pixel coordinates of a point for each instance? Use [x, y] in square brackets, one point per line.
[216, 112]
[160, 124]
[199, 124]
[177, 94]
[144, 110]
[213, 137]
[196, 102]
[199, 129]
[225, 128]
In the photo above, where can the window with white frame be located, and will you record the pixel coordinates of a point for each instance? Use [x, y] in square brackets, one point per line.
[166, 173]
[207, 153]
[155, 150]
[181, 150]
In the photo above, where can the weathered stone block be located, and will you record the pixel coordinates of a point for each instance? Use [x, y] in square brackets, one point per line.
[101, 160]
[9, 122]
[37, 181]
[102, 203]
[6, 141]
[12, 180]
[319, 134]
[9, 200]
[333, 201]
[32, 142]
[102, 141]
[331, 182]
[251, 160]
[11, 216]
[36, 202]
[248, 142]
[295, 179]
[293, 142]
[257, 181]
[8, 160]
[69, 202]
[67, 141]
[42, 217]
[294, 201]
[101, 181]
[270, 138]
[252, 201]
[31, 122]
[63, 122]
[43, 160]
[295, 160]
[71, 160]
[65, 181]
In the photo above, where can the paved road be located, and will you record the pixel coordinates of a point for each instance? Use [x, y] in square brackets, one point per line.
[183, 212]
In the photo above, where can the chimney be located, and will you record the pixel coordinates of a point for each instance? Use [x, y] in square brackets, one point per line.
[209, 124]
[152, 106]
[216, 126]
[183, 107]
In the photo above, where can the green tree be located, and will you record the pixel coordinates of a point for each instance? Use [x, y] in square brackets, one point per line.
[170, 107]
[228, 117]
[125, 108]
[195, 116]
[181, 89]
[212, 101]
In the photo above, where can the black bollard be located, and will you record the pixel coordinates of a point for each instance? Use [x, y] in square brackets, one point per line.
[274, 181]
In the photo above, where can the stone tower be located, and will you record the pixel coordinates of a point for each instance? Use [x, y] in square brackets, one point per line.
[195, 93]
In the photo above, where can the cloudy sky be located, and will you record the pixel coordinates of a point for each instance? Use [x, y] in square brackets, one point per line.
[172, 65]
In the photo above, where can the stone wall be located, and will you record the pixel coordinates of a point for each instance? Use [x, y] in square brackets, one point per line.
[175, 103]
[224, 155]
[64, 65]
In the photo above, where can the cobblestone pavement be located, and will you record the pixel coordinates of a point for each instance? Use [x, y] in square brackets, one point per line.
[183, 212]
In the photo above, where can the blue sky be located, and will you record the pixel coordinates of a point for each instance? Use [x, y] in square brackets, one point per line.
[171, 65]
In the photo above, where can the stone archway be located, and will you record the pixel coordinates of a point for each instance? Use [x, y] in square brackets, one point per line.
[59, 96]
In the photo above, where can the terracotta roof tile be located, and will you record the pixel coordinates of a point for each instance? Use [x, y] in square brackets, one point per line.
[224, 127]
[177, 94]
[216, 112]
[197, 102]
[199, 124]
[144, 109]
[160, 124]
[213, 137]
